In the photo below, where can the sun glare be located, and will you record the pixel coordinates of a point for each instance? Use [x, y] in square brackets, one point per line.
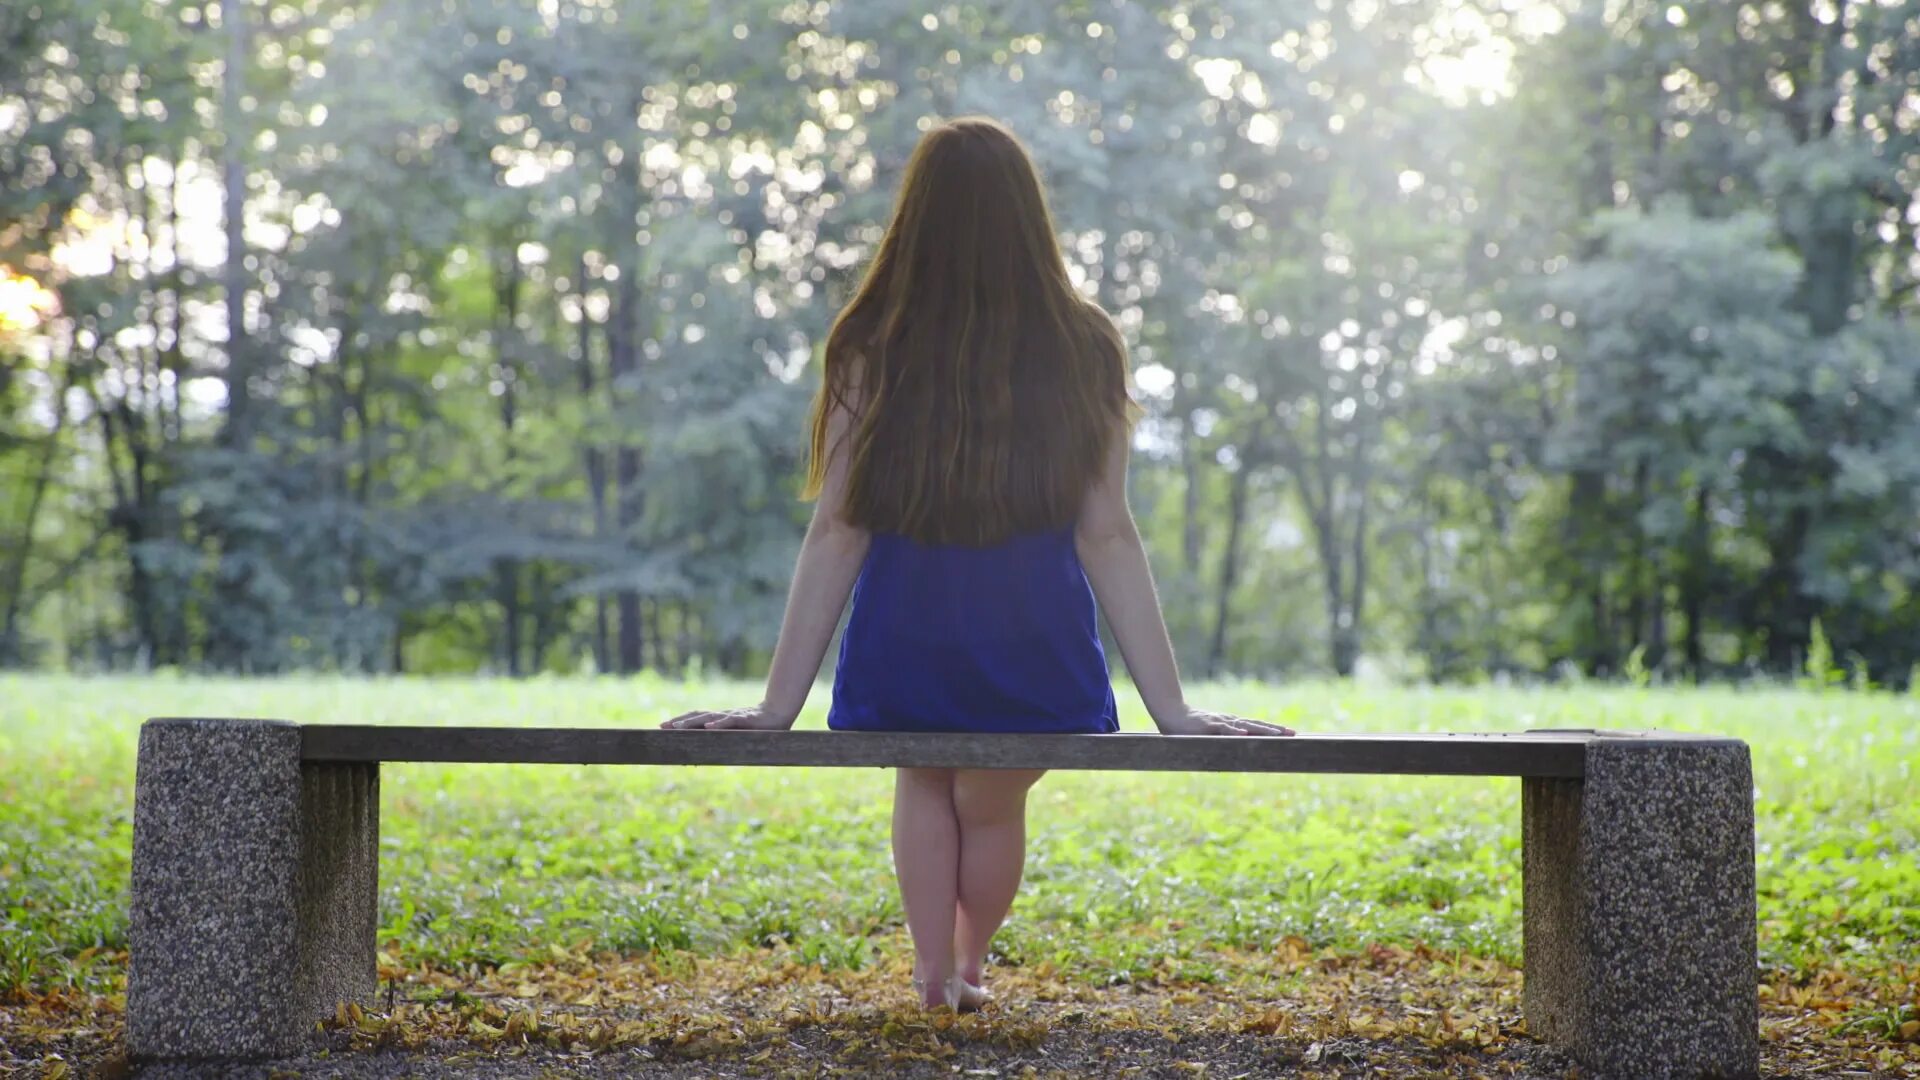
[1468, 54]
[24, 305]
[1480, 72]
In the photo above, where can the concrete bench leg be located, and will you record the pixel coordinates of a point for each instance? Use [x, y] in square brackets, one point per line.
[254, 890]
[1640, 919]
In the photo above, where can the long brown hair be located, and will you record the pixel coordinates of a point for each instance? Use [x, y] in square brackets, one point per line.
[986, 392]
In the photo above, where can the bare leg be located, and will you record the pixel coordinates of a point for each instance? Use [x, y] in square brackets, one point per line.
[926, 850]
[991, 805]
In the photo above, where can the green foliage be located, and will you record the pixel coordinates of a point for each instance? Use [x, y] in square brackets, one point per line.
[1612, 365]
[1821, 669]
[1859, 676]
[1128, 873]
[1635, 672]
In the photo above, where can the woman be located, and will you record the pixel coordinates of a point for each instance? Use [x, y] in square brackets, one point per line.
[969, 463]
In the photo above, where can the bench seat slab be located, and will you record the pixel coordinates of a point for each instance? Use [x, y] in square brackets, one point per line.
[253, 891]
[1640, 926]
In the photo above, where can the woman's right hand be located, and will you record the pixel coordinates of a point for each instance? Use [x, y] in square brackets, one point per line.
[1202, 722]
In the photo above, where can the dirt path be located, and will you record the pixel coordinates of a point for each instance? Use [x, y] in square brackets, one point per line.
[1391, 1012]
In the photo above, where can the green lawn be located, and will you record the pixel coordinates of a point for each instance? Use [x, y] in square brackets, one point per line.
[1130, 876]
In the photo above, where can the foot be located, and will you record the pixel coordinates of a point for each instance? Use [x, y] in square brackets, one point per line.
[933, 994]
[973, 983]
[955, 993]
[969, 996]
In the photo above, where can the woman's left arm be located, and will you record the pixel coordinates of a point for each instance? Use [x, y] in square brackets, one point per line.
[830, 559]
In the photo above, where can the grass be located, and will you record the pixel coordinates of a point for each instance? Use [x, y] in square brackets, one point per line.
[1130, 877]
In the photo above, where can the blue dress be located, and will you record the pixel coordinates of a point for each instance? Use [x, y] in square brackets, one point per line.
[951, 638]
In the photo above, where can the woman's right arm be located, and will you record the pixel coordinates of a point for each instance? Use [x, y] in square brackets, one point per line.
[1115, 560]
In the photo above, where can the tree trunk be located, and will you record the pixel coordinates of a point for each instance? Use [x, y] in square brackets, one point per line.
[14, 589]
[1694, 584]
[542, 618]
[1586, 532]
[733, 657]
[173, 358]
[655, 640]
[1331, 574]
[1344, 578]
[623, 361]
[1229, 566]
[1637, 613]
[1357, 581]
[602, 651]
[238, 428]
[506, 308]
[1656, 655]
[1427, 637]
[338, 484]
[1190, 524]
[1587, 529]
[1318, 478]
[1789, 616]
[632, 636]
[361, 573]
[506, 591]
[132, 517]
[596, 466]
[234, 615]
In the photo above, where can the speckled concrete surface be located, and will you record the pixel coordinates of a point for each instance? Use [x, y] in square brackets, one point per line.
[239, 929]
[1067, 1051]
[1640, 910]
[216, 819]
[339, 887]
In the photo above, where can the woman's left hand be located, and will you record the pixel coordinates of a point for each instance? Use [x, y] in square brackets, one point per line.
[753, 717]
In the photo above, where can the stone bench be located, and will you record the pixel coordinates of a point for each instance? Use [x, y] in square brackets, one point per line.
[256, 844]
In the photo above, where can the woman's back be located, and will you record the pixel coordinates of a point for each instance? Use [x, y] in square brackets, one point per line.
[970, 400]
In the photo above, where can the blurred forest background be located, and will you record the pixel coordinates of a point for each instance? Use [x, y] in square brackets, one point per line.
[1520, 338]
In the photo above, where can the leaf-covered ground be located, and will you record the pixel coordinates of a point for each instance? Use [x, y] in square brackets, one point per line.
[736, 921]
[1292, 1010]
